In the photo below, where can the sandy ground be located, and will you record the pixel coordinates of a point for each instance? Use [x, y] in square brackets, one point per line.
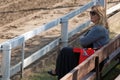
[20, 16]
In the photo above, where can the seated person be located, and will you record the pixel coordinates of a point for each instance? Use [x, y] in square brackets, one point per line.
[95, 38]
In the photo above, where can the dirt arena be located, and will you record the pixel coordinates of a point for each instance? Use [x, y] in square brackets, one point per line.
[20, 16]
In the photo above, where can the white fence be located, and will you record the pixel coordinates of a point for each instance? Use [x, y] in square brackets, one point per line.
[6, 47]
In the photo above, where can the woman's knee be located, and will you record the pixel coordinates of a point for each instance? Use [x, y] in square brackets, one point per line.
[66, 49]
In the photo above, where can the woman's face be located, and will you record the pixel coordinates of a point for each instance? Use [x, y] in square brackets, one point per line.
[94, 16]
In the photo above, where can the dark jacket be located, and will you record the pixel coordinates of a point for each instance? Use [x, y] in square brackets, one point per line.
[97, 36]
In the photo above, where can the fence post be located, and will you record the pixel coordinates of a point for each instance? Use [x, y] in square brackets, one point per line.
[102, 2]
[95, 2]
[22, 66]
[6, 61]
[64, 32]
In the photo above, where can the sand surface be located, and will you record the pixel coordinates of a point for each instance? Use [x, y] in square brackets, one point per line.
[20, 16]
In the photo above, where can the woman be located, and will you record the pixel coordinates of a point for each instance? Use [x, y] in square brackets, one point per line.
[95, 38]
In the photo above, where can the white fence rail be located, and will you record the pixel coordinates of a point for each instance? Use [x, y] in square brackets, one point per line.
[7, 46]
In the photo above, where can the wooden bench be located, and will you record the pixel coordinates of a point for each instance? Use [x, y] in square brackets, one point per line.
[112, 49]
[118, 77]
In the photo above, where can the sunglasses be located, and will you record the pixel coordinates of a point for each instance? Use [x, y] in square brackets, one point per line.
[93, 13]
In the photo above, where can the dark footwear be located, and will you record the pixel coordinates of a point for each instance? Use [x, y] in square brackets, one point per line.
[51, 73]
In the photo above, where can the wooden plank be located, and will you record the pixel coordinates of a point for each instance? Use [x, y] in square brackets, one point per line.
[69, 76]
[80, 68]
[89, 63]
[109, 48]
[118, 77]
[85, 67]
[92, 75]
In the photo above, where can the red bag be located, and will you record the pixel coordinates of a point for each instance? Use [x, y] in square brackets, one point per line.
[84, 53]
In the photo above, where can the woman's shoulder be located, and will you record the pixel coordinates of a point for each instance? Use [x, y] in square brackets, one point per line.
[99, 27]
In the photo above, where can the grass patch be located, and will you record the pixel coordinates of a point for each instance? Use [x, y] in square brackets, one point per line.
[41, 73]
[113, 73]
[42, 76]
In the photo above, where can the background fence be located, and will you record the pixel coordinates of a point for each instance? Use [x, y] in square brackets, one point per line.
[6, 48]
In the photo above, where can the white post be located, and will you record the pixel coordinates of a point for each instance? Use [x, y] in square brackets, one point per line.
[22, 67]
[95, 2]
[6, 58]
[102, 2]
[64, 32]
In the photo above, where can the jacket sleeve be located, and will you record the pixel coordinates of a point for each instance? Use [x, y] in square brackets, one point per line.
[93, 35]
